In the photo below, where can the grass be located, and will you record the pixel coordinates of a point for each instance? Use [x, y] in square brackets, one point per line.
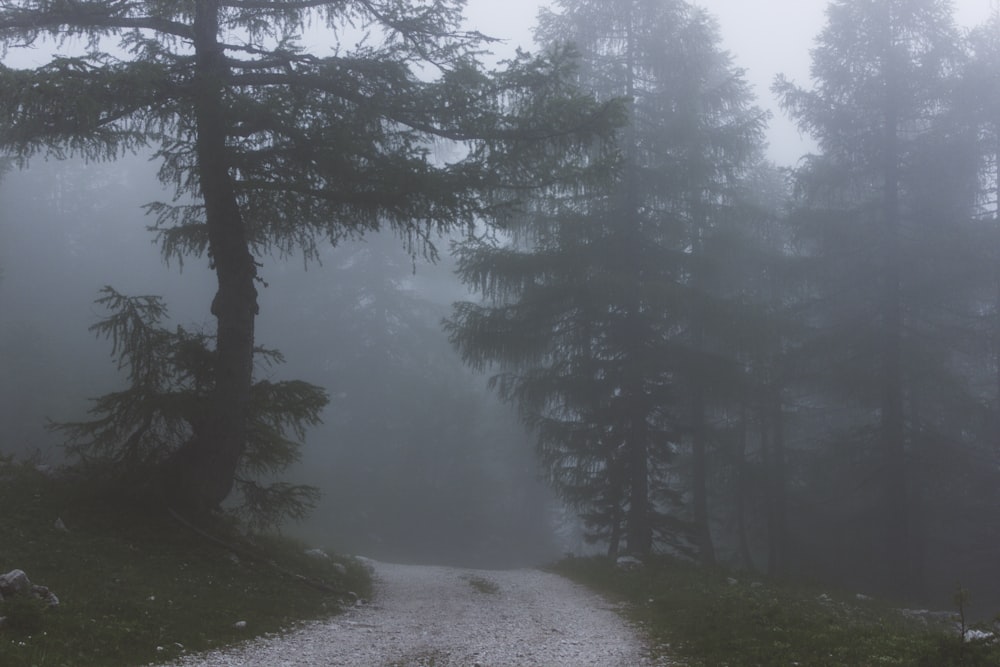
[136, 587]
[713, 617]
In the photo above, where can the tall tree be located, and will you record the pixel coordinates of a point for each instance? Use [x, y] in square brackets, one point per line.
[882, 72]
[271, 147]
[600, 310]
[981, 106]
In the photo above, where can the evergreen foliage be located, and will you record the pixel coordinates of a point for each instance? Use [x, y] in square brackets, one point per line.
[135, 431]
[884, 224]
[272, 148]
[602, 314]
[797, 370]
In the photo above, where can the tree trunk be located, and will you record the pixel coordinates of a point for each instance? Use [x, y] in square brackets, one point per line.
[699, 436]
[896, 511]
[639, 533]
[615, 538]
[204, 469]
[742, 491]
[777, 509]
[996, 272]
[638, 528]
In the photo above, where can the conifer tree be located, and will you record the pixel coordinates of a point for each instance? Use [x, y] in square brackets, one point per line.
[171, 376]
[600, 315]
[271, 147]
[882, 224]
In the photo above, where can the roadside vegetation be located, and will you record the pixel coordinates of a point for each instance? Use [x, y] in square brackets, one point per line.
[136, 586]
[717, 617]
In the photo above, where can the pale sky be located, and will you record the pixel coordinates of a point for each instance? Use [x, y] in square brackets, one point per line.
[765, 37]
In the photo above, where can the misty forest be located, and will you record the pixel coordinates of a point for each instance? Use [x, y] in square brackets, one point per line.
[334, 270]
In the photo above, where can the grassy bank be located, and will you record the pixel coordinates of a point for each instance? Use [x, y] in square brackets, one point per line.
[710, 617]
[136, 586]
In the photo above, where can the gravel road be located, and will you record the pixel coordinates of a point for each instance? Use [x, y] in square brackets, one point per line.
[448, 617]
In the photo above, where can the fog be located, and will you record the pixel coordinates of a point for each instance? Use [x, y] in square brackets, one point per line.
[416, 460]
[419, 461]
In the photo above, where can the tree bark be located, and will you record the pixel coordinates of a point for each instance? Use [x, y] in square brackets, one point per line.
[204, 469]
[638, 529]
[699, 437]
[615, 539]
[742, 491]
[639, 533]
[777, 506]
[896, 510]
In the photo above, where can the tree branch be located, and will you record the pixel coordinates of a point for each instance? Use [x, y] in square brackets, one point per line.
[85, 17]
[276, 5]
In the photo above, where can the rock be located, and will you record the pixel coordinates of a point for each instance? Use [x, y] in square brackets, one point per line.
[15, 582]
[44, 594]
[340, 569]
[240, 625]
[318, 554]
[973, 635]
[628, 563]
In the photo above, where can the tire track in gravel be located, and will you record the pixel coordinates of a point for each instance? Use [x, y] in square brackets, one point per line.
[450, 617]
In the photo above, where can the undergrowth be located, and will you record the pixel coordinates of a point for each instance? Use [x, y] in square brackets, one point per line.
[710, 617]
[135, 586]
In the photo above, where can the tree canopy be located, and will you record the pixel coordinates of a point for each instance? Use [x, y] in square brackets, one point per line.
[270, 146]
[596, 316]
[890, 186]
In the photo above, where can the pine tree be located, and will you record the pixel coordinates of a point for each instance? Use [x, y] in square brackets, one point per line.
[980, 104]
[600, 313]
[271, 148]
[883, 209]
[136, 430]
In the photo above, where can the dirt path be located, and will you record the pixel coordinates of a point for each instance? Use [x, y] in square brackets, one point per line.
[444, 617]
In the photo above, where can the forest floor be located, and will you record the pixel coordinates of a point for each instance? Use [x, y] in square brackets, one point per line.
[709, 616]
[425, 616]
[137, 587]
